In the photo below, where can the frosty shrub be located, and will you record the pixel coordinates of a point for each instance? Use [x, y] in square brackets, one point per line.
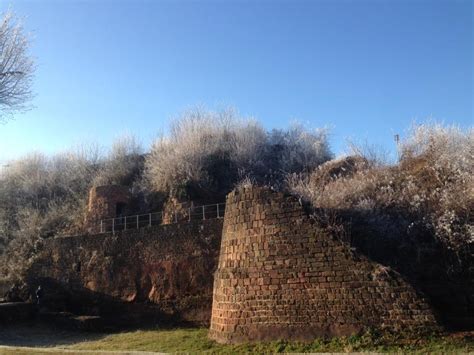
[205, 150]
[43, 196]
[429, 190]
[208, 152]
[123, 164]
[438, 166]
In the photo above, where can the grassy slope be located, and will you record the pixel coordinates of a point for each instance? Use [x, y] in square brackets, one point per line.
[195, 340]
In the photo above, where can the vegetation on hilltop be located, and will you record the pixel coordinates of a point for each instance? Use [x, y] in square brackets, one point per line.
[433, 182]
[427, 198]
[207, 153]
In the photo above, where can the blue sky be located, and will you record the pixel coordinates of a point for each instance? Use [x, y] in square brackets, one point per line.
[366, 69]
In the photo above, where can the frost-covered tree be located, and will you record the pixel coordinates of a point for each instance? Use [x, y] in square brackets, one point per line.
[208, 152]
[16, 67]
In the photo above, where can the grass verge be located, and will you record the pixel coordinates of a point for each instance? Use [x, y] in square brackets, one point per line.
[195, 340]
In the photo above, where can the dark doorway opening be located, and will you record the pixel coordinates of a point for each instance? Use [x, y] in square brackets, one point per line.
[120, 209]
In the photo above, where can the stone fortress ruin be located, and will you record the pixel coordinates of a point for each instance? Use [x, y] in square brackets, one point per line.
[264, 271]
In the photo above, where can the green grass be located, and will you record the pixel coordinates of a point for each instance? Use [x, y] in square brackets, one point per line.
[44, 340]
[195, 340]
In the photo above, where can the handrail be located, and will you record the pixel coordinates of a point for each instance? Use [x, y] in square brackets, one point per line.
[137, 221]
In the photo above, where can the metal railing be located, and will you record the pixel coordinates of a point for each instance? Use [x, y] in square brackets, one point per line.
[158, 218]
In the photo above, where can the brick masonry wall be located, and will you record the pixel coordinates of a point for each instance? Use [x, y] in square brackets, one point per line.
[168, 266]
[103, 201]
[281, 277]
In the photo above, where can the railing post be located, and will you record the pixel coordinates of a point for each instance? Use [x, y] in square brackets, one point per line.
[173, 219]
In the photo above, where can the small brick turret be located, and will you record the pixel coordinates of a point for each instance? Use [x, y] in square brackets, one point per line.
[108, 201]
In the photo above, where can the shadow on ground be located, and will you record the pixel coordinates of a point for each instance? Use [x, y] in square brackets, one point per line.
[43, 335]
[73, 315]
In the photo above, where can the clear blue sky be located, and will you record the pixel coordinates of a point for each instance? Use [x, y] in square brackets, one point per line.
[365, 68]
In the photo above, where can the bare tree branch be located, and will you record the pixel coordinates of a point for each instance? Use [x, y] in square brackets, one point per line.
[16, 68]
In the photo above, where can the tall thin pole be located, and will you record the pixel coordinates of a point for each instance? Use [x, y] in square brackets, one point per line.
[396, 137]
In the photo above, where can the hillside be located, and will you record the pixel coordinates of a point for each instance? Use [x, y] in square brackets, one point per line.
[413, 215]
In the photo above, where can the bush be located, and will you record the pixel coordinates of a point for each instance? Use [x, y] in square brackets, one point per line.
[429, 192]
[207, 153]
[40, 196]
[123, 164]
[44, 196]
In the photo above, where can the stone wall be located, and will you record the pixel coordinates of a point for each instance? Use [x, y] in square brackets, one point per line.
[168, 266]
[280, 276]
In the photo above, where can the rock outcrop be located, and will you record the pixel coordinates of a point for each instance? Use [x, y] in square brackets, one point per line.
[169, 267]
